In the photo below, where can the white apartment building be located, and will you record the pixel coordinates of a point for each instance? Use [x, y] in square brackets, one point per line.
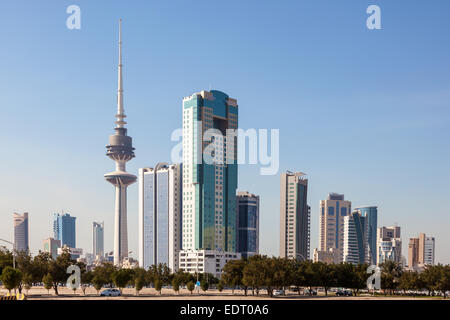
[206, 261]
[160, 215]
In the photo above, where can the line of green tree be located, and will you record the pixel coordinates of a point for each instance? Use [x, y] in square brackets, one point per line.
[52, 273]
[256, 273]
[271, 273]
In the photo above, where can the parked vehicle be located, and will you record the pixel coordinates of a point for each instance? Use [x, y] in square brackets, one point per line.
[344, 293]
[278, 293]
[311, 292]
[110, 293]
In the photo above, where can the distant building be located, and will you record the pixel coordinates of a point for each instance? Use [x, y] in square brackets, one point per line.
[160, 205]
[51, 246]
[421, 252]
[371, 215]
[75, 253]
[21, 232]
[329, 256]
[97, 239]
[247, 224]
[331, 226]
[64, 229]
[206, 261]
[389, 245]
[294, 216]
[355, 238]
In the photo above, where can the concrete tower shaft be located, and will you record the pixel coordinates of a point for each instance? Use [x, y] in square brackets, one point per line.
[120, 150]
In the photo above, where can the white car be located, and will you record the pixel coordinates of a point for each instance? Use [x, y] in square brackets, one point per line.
[278, 292]
[110, 293]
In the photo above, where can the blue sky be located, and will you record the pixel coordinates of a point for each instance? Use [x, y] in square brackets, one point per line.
[362, 112]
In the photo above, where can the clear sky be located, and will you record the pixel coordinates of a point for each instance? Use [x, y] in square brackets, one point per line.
[362, 112]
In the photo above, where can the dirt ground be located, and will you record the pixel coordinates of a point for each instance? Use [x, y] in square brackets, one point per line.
[39, 293]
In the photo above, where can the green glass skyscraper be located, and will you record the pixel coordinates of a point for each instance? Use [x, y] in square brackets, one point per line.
[210, 172]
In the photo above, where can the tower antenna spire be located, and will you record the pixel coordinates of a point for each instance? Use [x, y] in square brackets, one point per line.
[120, 111]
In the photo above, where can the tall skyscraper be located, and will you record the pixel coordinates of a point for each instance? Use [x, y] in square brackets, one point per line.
[160, 215]
[294, 216]
[210, 177]
[421, 251]
[331, 226]
[209, 186]
[51, 246]
[389, 245]
[64, 229]
[371, 213]
[356, 238]
[120, 149]
[98, 239]
[247, 224]
[21, 232]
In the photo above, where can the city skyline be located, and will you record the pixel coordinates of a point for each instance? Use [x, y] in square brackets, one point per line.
[388, 178]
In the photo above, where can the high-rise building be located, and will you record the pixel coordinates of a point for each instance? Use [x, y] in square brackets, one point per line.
[247, 224]
[429, 245]
[371, 213]
[331, 226]
[51, 246]
[160, 215]
[356, 238]
[294, 216]
[64, 229]
[120, 149]
[389, 245]
[98, 239]
[21, 232]
[209, 172]
[421, 251]
[413, 253]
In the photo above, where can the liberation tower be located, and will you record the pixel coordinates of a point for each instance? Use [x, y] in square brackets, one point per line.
[120, 149]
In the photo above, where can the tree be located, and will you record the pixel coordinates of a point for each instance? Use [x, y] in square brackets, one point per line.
[6, 258]
[326, 275]
[98, 283]
[86, 279]
[176, 284]
[139, 283]
[220, 286]
[431, 277]
[27, 281]
[190, 286]
[391, 272]
[11, 278]
[48, 282]
[58, 268]
[121, 278]
[232, 274]
[444, 282]
[158, 285]
[204, 285]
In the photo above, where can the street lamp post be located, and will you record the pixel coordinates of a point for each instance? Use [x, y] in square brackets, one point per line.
[13, 253]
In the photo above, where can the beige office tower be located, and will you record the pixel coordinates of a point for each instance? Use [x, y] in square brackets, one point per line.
[331, 226]
[389, 245]
[421, 252]
[294, 216]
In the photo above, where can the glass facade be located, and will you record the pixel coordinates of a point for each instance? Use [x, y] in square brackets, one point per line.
[248, 224]
[210, 214]
[64, 229]
[162, 221]
[371, 214]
